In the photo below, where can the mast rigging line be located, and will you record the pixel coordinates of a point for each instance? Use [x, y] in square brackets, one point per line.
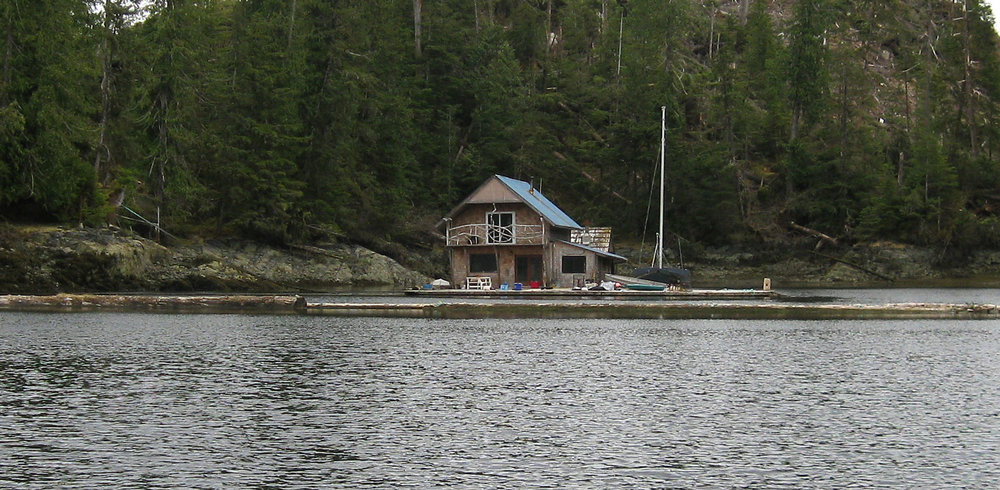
[649, 203]
[659, 168]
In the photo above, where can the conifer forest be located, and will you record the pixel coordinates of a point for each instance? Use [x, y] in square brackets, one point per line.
[277, 120]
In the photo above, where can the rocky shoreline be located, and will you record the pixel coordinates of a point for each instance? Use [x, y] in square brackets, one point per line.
[50, 260]
[879, 264]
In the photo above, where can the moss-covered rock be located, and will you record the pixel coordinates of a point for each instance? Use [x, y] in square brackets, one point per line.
[866, 264]
[46, 260]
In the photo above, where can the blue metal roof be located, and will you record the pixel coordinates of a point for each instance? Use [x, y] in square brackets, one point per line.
[592, 249]
[539, 203]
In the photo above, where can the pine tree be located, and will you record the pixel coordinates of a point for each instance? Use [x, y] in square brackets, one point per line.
[45, 110]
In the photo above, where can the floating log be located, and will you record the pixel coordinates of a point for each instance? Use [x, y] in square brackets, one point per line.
[179, 304]
[498, 309]
[390, 310]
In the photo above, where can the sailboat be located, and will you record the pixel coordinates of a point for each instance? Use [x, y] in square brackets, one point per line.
[672, 276]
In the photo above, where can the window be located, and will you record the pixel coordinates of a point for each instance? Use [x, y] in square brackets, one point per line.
[574, 264]
[482, 263]
[499, 227]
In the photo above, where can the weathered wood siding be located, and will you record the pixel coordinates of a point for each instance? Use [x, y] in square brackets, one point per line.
[506, 261]
[468, 239]
[493, 191]
[552, 253]
[596, 266]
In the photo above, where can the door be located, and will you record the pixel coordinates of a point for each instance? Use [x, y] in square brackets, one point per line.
[528, 268]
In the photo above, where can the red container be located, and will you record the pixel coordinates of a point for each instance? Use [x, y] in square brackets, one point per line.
[534, 284]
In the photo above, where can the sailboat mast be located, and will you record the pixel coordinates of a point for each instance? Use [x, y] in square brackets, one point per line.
[663, 158]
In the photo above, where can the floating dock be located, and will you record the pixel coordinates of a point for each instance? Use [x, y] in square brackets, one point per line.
[564, 294]
[297, 305]
[662, 311]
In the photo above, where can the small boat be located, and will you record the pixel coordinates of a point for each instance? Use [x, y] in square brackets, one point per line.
[667, 275]
[645, 287]
[656, 272]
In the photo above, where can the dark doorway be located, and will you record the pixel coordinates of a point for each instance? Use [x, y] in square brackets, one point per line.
[528, 268]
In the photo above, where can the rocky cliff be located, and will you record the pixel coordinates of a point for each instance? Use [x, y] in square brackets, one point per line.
[51, 259]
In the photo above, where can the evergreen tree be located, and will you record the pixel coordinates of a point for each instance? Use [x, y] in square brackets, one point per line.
[807, 80]
[44, 109]
[273, 117]
[177, 52]
[254, 172]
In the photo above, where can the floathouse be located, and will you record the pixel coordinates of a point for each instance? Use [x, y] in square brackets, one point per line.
[506, 234]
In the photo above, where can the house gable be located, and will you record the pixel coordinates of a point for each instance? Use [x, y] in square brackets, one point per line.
[505, 190]
[492, 191]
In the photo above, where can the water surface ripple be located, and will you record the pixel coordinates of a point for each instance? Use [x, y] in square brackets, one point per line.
[216, 401]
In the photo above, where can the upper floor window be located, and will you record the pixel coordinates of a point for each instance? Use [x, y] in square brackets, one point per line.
[499, 227]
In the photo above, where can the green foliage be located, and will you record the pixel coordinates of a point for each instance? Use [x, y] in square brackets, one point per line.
[44, 120]
[864, 119]
[11, 150]
[807, 73]
[891, 213]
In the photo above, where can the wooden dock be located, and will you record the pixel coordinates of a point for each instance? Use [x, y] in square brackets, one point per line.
[297, 305]
[661, 311]
[570, 294]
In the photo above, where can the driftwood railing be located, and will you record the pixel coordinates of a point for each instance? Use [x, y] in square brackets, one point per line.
[486, 234]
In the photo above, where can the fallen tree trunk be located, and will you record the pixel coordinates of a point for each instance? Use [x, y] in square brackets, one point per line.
[823, 237]
[856, 266]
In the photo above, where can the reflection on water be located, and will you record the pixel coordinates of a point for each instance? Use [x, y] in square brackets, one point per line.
[137, 400]
[897, 295]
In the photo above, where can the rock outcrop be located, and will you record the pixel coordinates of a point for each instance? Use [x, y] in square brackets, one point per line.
[866, 264]
[50, 260]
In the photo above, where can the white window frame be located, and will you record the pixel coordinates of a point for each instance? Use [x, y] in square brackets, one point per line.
[495, 233]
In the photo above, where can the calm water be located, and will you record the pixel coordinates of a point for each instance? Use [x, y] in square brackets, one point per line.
[141, 400]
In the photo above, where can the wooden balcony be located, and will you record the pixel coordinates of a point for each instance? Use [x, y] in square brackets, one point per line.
[488, 235]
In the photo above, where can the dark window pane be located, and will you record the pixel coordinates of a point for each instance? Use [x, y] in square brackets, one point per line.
[574, 264]
[482, 263]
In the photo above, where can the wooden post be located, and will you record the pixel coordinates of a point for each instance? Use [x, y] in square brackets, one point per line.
[548, 256]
